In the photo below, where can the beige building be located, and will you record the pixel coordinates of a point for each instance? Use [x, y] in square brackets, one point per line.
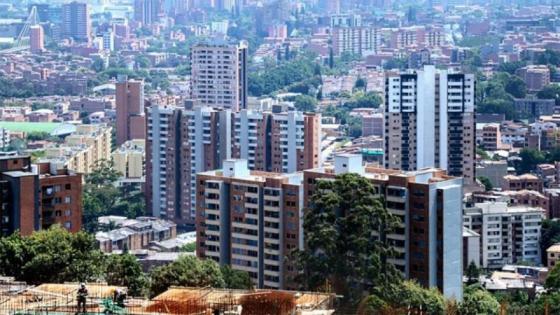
[219, 74]
[129, 159]
[82, 150]
[553, 255]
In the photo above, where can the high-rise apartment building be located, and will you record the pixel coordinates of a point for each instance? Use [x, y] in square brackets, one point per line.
[429, 121]
[508, 234]
[429, 205]
[131, 123]
[36, 39]
[219, 74]
[251, 221]
[76, 21]
[147, 12]
[183, 142]
[356, 40]
[34, 197]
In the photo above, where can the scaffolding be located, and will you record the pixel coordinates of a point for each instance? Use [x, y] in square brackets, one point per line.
[56, 299]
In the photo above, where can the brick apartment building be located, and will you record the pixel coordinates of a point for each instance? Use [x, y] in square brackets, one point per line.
[250, 220]
[34, 197]
[427, 241]
[183, 142]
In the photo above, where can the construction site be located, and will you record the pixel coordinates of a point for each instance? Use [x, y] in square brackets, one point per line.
[22, 299]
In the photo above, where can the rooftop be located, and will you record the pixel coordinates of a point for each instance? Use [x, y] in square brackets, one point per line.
[553, 249]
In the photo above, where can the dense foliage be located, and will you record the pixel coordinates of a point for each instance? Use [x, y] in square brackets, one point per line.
[281, 76]
[530, 158]
[102, 197]
[340, 247]
[497, 94]
[191, 271]
[124, 270]
[51, 256]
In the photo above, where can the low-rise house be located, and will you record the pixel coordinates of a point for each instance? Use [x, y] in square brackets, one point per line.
[133, 234]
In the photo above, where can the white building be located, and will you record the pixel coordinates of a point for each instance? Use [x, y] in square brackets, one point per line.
[509, 235]
[429, 116]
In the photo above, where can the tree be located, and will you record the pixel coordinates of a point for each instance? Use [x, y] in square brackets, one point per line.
[530, 158]
[551, 91]
[553, 279]
[305, 103]
[476, 300]
[98, 65]
[51, 256]
[483, 154]
[511, 67]
[236, 279]
[189, 248]
[142, 61]
[364, 100]
[472, 273]
[550, 235]
[403, 298]
[360, 84]
[340, 246]
[516, 87]
[125, 270]
[485, 181]
[186, 271]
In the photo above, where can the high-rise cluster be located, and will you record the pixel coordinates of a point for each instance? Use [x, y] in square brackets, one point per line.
[183, 142]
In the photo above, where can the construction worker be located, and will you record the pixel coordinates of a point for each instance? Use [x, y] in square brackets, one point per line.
[82, 297]
[118, 297]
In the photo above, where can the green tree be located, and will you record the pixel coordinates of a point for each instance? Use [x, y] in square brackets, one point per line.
[516, 87]
[98, 65]
[360, 84]
[305, 103]
[186, 271]
[551, 91]
[553, 279]
[550, 235]
[51, 256]
[511, 67]
[364, 100]
[340, 247]
[408, 296]
[101, 196]
[125, 270]
[483, 154]
[476, 300]
[472, 273]
[37, 135]
[530, 158]
[142, 61]
[236, 279]
[485, 181]
[189, 248]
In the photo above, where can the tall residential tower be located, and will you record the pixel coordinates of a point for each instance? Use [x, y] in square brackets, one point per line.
[429, 117]
[183, 142]
[219, 74]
